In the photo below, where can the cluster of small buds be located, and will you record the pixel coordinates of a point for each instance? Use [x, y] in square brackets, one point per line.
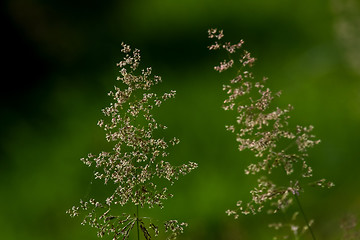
[175, 228]
[225, 65]
[214, 33]
[263, 128]
[137, 162]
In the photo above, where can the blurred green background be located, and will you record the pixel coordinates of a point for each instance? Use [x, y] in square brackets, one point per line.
[59, 62]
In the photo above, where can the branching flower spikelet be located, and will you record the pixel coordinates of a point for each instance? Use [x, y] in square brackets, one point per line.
[263, 128]
[137, 162]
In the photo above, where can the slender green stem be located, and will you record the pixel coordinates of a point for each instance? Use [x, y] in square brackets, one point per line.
[299, 204]
[305, 217]
[137, 222]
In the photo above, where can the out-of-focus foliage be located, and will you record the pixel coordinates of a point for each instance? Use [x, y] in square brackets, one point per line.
[60, 61]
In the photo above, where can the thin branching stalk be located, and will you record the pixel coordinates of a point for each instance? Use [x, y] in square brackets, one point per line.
[137, 222]
[305, 217]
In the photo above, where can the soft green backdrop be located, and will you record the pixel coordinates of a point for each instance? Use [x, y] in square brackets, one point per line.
[64, 65]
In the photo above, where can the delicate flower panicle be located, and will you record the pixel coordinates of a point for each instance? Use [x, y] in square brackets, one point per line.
[137, 160]
[264, 129]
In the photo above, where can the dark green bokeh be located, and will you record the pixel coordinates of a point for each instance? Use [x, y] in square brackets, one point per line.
[60, 62]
